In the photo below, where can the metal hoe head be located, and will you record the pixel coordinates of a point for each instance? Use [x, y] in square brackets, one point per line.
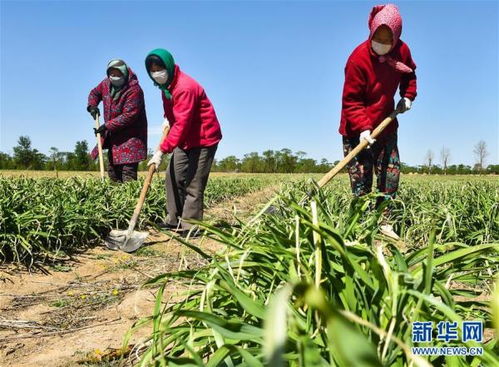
[125, 240]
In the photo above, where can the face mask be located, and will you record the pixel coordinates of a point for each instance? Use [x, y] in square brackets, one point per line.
[160, 77]
[117, 81]
[380, 48]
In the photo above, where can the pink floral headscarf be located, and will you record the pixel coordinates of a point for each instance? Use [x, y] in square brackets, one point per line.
[388, 15]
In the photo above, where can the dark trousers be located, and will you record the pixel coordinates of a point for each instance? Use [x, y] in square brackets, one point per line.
[383, 157]
[122, 172]
[186, 179]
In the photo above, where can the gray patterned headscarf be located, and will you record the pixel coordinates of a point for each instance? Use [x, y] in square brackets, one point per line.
[120, 65]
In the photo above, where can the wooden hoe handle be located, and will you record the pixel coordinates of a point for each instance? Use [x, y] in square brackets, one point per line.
[145, 187]
[99, 147]
[361, 146]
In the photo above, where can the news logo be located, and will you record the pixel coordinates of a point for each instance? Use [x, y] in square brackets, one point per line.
[423, 332]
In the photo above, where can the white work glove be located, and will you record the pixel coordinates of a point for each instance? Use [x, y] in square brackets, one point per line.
[165, 124]
[156, 159]
[404, 105]
[366, 134]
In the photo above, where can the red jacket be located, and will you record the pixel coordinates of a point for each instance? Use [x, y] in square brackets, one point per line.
[370, 87]
[193, 121]
[126, 121]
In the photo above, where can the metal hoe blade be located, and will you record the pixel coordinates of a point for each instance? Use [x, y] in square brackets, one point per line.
[118, 240]
[131, 240]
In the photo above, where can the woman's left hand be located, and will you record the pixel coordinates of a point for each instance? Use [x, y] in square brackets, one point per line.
[404, 105]
[165, 124]
[100, 130]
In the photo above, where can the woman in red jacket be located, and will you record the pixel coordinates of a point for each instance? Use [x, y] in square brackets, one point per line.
[374, 71]
[193, 139]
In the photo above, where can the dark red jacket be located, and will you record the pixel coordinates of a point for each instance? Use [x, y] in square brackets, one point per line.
[125, 119]
[193, 121]
[370, 87]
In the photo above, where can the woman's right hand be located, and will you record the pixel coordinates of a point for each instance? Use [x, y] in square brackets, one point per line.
[156, 159]
[366, 134]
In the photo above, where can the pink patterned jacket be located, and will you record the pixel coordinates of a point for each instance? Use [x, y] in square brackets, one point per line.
[125, 119]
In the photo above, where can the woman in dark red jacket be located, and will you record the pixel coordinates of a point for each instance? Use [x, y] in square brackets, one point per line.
[374, 71]
[193, 139]
[125, 127]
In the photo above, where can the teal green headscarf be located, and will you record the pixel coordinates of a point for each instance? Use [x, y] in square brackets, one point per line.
[169, 62]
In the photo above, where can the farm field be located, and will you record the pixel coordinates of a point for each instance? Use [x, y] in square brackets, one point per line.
[95, 174]
[278, 176]
[210, 300]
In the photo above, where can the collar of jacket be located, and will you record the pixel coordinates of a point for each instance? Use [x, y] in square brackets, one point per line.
[172, 85]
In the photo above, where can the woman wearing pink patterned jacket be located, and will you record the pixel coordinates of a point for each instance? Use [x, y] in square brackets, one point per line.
[125, 126]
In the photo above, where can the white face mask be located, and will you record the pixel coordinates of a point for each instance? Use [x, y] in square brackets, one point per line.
[380, 48]
[117, 81]
[161, 77]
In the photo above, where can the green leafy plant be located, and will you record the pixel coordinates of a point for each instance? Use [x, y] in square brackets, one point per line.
[316, 285]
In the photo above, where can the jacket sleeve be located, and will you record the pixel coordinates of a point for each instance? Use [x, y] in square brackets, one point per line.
[183, 112]
[95, 96]
[354, 98]
[408, 85]
[133, 105]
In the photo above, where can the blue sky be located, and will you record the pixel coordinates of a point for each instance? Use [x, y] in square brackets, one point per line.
[273, 70]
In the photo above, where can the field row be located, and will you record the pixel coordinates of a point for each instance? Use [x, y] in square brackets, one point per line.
[45, 218]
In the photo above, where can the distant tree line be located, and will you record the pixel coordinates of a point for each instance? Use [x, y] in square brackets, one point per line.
[480, 152]
[26, 157]
[454, 169]
[270, 161]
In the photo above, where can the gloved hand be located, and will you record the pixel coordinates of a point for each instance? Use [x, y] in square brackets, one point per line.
[156, 159]
[404, 105]
[100, 130]
[94, 111]
[366, 134]
[165, 124]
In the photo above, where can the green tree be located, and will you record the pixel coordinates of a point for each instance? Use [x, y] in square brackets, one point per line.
[306, 165]
[269, 161]
[25, 157]
[23, 154]
[6, 161]
[229, 164]
[452, 169]
[405, 168]
[81, 157]
[69, 161]
[39, 160]
[252, 163]
[493, 168]
[286, 161]
[463, 169]
[325, 166]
